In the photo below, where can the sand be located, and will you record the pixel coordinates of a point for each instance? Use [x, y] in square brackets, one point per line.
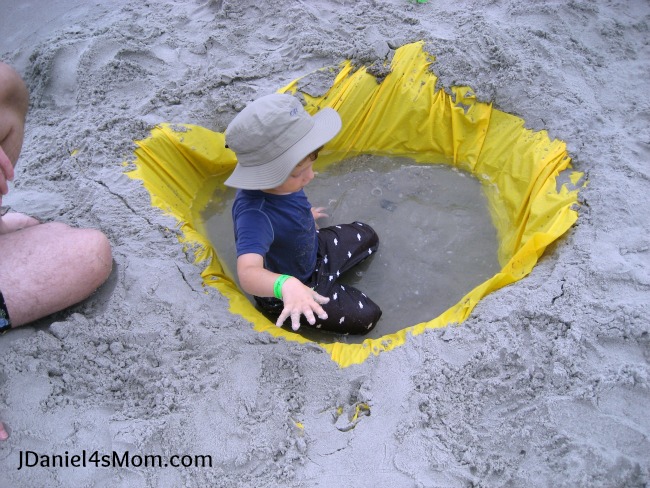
[546, 384]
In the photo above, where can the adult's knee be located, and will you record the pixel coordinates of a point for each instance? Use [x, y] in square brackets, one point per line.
[100, 255]
[89, 249]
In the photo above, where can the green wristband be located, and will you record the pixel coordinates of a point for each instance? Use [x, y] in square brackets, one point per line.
[277, 286]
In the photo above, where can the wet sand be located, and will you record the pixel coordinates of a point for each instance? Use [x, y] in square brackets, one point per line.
[546, 383]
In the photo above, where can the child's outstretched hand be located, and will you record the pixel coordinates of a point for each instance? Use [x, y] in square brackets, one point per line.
[299, 300]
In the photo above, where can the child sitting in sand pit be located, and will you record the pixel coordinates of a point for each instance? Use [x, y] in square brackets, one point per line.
[283, 260]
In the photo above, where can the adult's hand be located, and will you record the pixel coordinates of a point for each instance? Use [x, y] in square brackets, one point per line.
[299, 300]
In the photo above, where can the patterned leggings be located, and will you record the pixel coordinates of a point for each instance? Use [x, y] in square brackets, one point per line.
[340, 248]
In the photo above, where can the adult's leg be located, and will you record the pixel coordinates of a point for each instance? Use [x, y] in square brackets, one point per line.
[48, 267]
[43, 268]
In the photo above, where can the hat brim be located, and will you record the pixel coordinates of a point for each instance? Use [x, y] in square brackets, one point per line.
[327, 123]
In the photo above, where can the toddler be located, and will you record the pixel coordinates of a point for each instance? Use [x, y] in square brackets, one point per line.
[291, 267]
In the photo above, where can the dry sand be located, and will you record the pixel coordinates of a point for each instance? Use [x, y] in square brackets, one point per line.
[546, 384]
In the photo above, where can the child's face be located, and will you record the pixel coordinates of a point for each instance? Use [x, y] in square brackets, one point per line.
[300, 177]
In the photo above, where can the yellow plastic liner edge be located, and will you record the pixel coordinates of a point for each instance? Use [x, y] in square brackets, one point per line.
[404, 115]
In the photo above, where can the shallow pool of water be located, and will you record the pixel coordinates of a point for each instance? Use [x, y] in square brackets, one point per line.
[437, 241]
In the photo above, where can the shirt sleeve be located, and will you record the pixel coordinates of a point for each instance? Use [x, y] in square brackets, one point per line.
[253, 233]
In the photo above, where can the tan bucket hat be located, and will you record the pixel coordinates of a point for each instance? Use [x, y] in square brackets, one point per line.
[271, 136]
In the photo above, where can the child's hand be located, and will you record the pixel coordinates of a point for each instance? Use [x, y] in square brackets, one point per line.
[300, 300]
[318, 213]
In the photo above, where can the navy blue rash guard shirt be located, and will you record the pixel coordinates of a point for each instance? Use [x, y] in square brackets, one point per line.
[280, 228]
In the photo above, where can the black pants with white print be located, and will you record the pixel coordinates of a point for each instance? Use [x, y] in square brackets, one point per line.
[349, 311]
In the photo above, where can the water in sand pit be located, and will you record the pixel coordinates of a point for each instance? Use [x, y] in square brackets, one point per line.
[437, 241]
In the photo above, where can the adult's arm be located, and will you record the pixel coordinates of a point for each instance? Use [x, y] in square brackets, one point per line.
[6, 173]
[14, 101]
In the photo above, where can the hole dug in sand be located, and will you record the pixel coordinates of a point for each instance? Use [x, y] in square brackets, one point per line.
[437, 240]
[380, 166]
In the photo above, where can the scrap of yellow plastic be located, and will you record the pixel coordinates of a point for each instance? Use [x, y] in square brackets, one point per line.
[403, 115]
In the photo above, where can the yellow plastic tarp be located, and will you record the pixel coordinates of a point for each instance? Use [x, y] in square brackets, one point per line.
[403, 115]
